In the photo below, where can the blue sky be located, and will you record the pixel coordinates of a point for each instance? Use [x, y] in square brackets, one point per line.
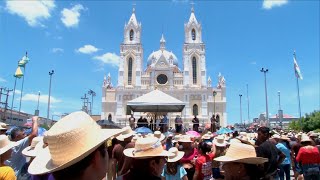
[80, 40]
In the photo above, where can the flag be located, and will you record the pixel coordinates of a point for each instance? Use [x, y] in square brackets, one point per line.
[296, 68]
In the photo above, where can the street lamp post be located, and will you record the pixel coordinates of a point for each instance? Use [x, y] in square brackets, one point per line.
[37, 110]
[18, 74]
[265, 87]
[22, 63]
[240, 95]
[48, 111]
[214, 93]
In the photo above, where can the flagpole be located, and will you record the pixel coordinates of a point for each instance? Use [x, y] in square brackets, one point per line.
[300, 120]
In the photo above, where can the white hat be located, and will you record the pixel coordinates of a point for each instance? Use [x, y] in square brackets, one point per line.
[305, 138]
[36, 146]
[3, 126]
[159, 135]
[146, 147]
[243, 153]
[177, 155]
[125, 134]
[5, 144]
[185, 138]
[206, 136]
[220, 141]
[69, 141]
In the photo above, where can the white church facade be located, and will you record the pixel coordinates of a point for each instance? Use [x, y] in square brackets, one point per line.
[189, 84]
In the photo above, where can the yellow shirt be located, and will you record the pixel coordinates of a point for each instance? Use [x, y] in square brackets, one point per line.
[7, 173]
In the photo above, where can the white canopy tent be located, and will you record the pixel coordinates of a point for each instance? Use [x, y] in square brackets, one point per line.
[155, 101]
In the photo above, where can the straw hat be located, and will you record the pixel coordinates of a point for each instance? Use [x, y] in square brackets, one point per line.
[185, 138]
[146, 147]
[69, 141]
[284, 137]
[5, 144]
[234, 140]
[206, 136]
[177, 155]
[314, 135]
[159, 135]
[276, 136]
[36, 146]
[3, 126]
[220, 141]
[305, 138]
[243, 153]
[125, 134]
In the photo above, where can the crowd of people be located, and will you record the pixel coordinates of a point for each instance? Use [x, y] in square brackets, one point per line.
[77, 148]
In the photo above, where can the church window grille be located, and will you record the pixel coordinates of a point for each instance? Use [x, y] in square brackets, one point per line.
[194, 70]
[195, 110]
[131, 35]
[130, 71]
[193, 34]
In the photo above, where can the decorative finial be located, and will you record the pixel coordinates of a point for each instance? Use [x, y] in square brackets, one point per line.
[192, 7]
[133, 8]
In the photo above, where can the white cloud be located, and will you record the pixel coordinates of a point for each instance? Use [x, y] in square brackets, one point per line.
[269, 4]
[57, 50]
[70, 17]
[2, 80]
[32, 11]
[253, 63]
[108, 58]
[87, 49]
[43, 98]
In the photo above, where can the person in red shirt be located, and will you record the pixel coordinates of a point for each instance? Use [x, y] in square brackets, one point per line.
[309, 159]
[204, 162]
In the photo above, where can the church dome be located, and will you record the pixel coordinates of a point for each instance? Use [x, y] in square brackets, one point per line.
[169, 56]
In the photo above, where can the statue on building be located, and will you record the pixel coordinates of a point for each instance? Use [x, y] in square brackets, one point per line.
[221, 81]
[209, 82]
[107, 82]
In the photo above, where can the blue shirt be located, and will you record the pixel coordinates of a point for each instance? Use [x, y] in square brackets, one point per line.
[179, 175]
[17, 160]
[286, 152]
[165, 120]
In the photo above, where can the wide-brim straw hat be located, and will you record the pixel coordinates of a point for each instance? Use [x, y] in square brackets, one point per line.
[185, 138]
[206, 136]
[159, 135]
[243, 153]
[284, 137]
[125, 134]
[177, 155]
[3, 126]
[305, 138]
[36, 146]
[146, 147]
[69, 141]
[5, 144]
[220, 141]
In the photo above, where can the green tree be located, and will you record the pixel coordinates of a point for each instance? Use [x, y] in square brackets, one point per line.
[310, 122]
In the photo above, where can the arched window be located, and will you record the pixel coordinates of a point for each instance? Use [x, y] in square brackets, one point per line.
[130, 71]
[195, 110]
[109, 117]
[193, 34]
[131, 35]
[194, 70]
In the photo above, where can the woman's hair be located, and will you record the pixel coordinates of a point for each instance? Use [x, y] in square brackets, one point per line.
[204, 147]
[172, 167]
[75, 171]
[253, 171]
[220, 151]
[142, 165]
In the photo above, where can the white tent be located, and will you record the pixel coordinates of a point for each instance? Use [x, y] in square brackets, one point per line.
[155, 101]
